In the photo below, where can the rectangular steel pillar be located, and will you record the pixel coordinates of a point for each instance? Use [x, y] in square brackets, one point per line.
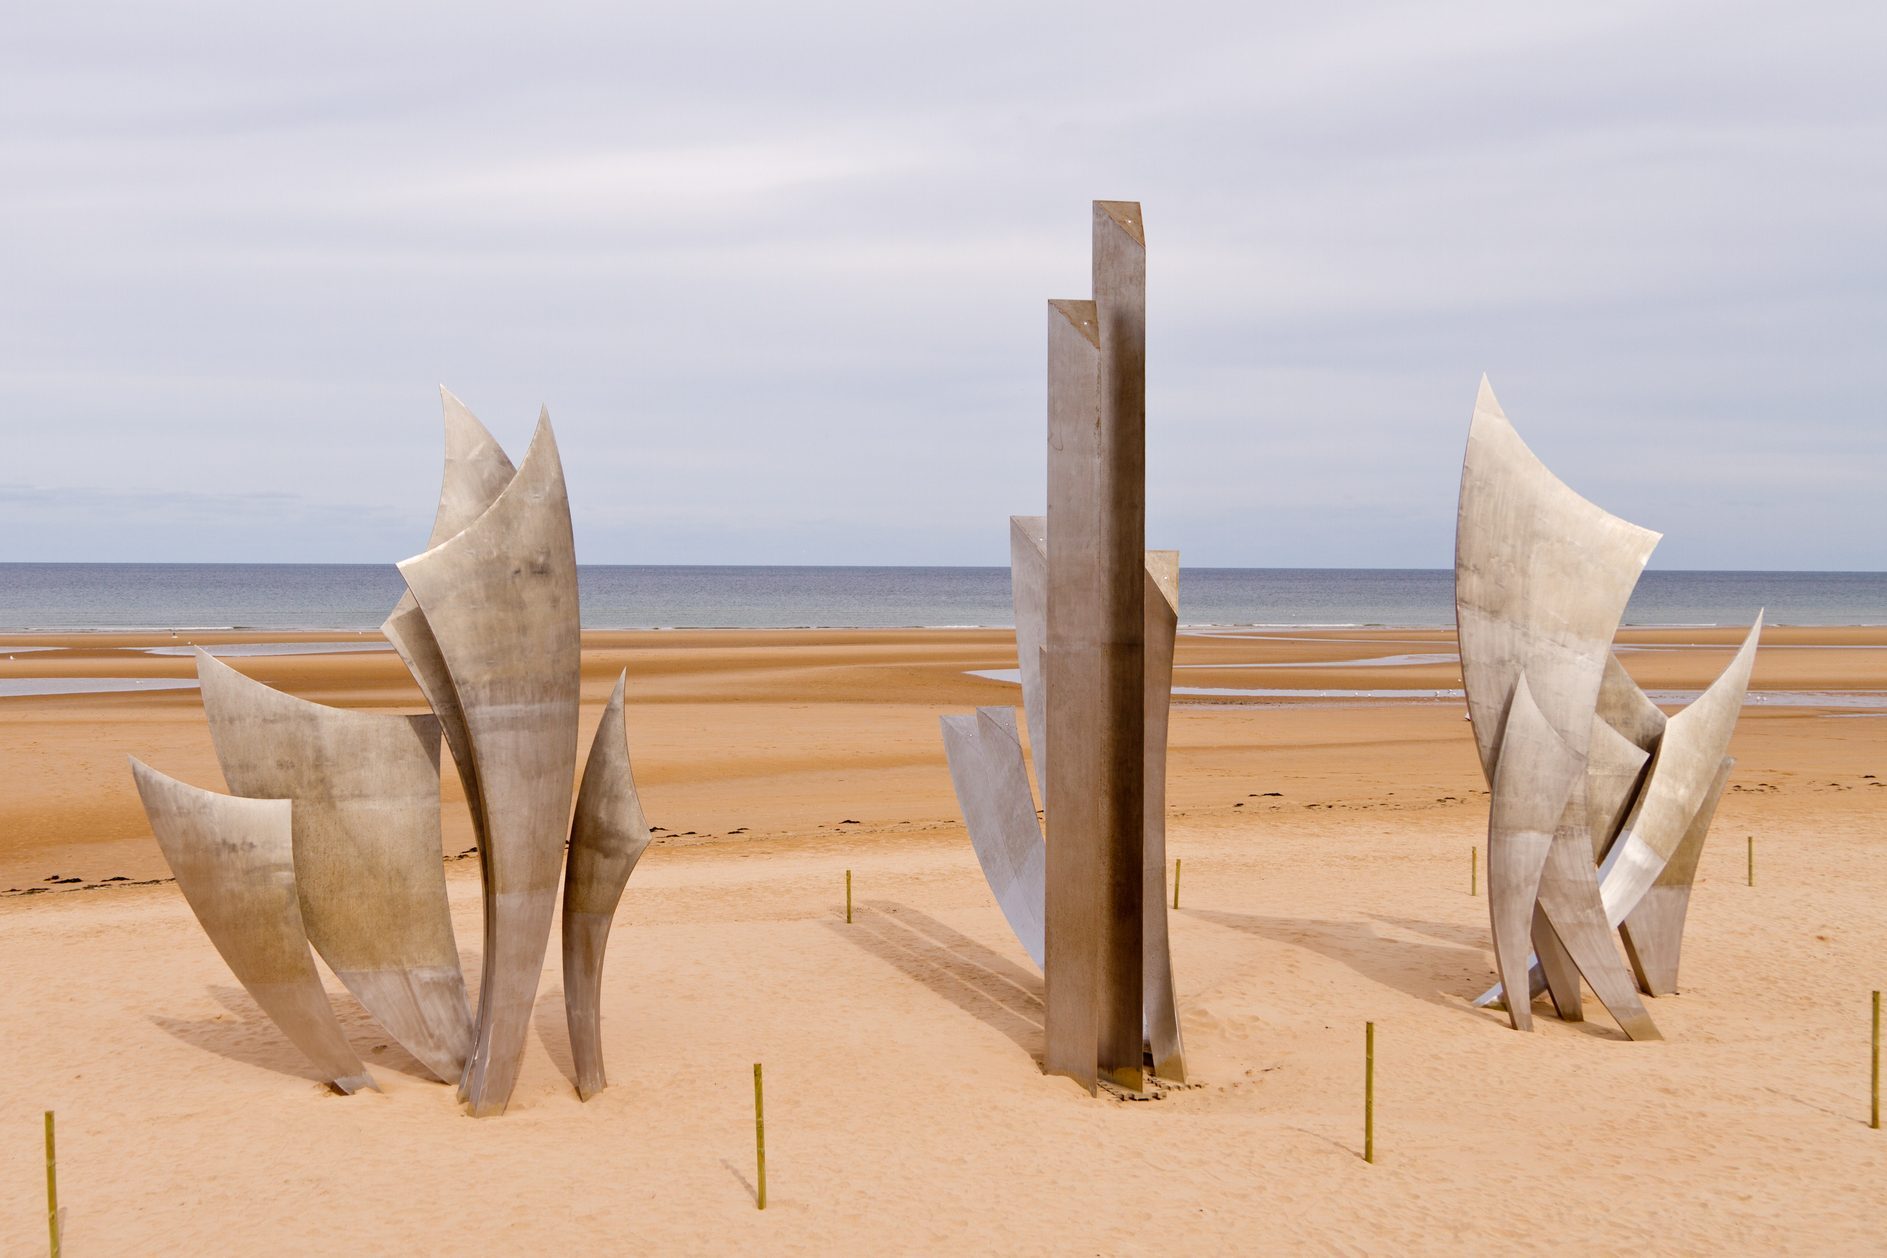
[1096, 663]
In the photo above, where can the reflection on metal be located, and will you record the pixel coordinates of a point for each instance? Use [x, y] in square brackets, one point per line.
[607, 837]
[1569, 903]
[1533, 779]
[1028, 582]
[1683, 770]
[1615, 768]
[1541, 581]
[234, 862]
[993, 792]
[365, 789]
[1654, 930]
[1160, 600]
[501, 598]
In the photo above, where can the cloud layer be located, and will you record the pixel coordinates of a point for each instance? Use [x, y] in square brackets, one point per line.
[779, 272]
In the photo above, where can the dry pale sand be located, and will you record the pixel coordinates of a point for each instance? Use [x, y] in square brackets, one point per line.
[906, 1111]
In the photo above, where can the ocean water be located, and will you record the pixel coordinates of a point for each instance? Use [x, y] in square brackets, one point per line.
[67, 597]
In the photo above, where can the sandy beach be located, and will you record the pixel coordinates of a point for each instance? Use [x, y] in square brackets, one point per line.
[1326, 845]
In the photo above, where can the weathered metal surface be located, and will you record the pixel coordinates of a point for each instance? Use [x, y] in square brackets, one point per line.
[1082, 813]
[607, 837]
[992, 788]
[1654, 930]
[234, 862]
[1627, 709]
[1028, 594]
[1119, 265]
[1541, 579]
[1161, 614]
[1569, 901]
[1615, 768]
[476, 472]
[365, 789]
[501, 598]
[986, 766]
[1533, 781]
[1682, 771]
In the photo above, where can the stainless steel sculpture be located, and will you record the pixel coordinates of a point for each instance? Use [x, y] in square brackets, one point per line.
[501, 599]
[1582, 766]
[365, 789]
[607, 838]
[1095, 621]
[489, 630]
[234, 862]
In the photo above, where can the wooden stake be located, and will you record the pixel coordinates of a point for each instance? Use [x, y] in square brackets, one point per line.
[52, 1186]
[1874, 1121]
[1474, 871]
[1369, 1092]
[759, 1141]
[848, 896]
[1175, 882]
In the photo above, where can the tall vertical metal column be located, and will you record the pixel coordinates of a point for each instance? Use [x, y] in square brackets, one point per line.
[1096, 662]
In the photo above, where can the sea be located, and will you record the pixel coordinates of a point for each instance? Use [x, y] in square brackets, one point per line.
[59, 597]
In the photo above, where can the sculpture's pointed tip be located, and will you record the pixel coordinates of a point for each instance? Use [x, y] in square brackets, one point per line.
[1126, 215]
[1080, 314]
[1484, 399]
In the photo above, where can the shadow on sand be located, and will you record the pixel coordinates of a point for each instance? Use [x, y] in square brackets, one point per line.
[552, 1024]
[1449, 974]
[254, 1040]
[970, 975]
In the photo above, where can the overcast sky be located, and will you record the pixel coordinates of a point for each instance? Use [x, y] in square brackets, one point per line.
[780, 271]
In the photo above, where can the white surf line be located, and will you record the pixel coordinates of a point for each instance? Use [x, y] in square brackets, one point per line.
[1666, 698]
[16, 687]
[1379, 661]
[221, 649]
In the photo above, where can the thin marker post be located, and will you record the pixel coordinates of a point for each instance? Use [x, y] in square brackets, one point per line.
[1474, 871]
[1752, 860]
[1176, 882]
[1369, 1092]
[52, 1181]
[848, 897]
[759, 1142]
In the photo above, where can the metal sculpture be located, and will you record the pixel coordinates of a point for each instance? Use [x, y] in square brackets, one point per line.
[501, 599]
[346, 814]
[365, 789]
[234, 862]
[1095, 620]
[607, 838]
[1582, 766]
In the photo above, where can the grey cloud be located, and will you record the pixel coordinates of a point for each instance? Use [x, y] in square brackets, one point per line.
[779, 271]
